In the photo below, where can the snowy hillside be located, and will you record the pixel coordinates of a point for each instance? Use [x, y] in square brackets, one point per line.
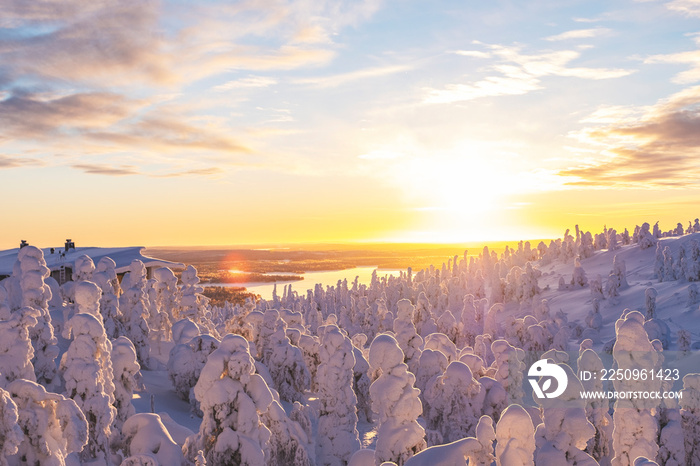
[435, 367]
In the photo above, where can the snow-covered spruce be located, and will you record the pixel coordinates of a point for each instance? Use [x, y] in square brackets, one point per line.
[11, 435]
[133, 304]
[290, 444]
[53, 425]
[564, 433]
[475, 450]
[596, 410]
[232, 397]
[145, 436]
[636, 428]
[185, 365]
[455, 401]
[395, 400]
[16, 349]
[515, 438]
[406, 334]
[337, 425]
[162, 300]
[690, 415]
[193, 304]
[286, 364]
[88, 375]
[127, 376]
[30, 271]
[508, 369]
[105, 277]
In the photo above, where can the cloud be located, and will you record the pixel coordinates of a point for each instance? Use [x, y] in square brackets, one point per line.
[472, 53]
[126, 170]
[106, 122]
[691, 58]
[168, 134]
[489, 87]
[658, 149]
[578, 34]
[7, 161]
[344, 78]
[519, 74]
[192, 172]
[686, 7]
[108, 41]
[36, 116]
[249, 82]
[94, 169]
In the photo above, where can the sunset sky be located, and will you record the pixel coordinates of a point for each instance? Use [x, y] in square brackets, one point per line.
[199, 123]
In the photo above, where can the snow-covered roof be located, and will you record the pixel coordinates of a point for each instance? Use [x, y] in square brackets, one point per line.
[121, 256]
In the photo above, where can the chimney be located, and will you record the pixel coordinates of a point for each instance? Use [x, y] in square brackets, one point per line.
[69, 244]
[23, 243]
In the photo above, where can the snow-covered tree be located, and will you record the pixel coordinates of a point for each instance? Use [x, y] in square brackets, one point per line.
[432, 363]
[636, 428]
[289, 443]
[565, 431]
[447, 325]
[163, 305]
[186, 362]
[650, 295]
[406, 334]
[645, 238]
[145, 435]
[11, 435]
[455, 400]
[470, 324]
[395, 399]
[338, 412]
[475, 450]
[133, 304]
[127, 376]
[596, 410]
[87, 370]
[193, 304]
[31, 271]
[509, 368]
[232, 397]
[286, 364]
[515, 438]
[16, 349]
[578, 278]
[105, 277]
[54, 427]
[690, 415]
[684, 341]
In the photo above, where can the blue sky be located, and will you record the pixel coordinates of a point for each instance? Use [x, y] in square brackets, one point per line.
[285, 121]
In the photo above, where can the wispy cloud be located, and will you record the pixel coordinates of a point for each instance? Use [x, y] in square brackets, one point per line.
[8, 161]
[107, 118]
[578, 34]
[95, 169]
[518, 74]
[249, 82]
[127, 170]
[472, 53]
[691, 58]
[658, 149]
[344, 78]
[210, 171]
[687, 7]
[36, 116]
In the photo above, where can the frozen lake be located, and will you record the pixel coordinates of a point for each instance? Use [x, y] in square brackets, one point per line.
[326, 278]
